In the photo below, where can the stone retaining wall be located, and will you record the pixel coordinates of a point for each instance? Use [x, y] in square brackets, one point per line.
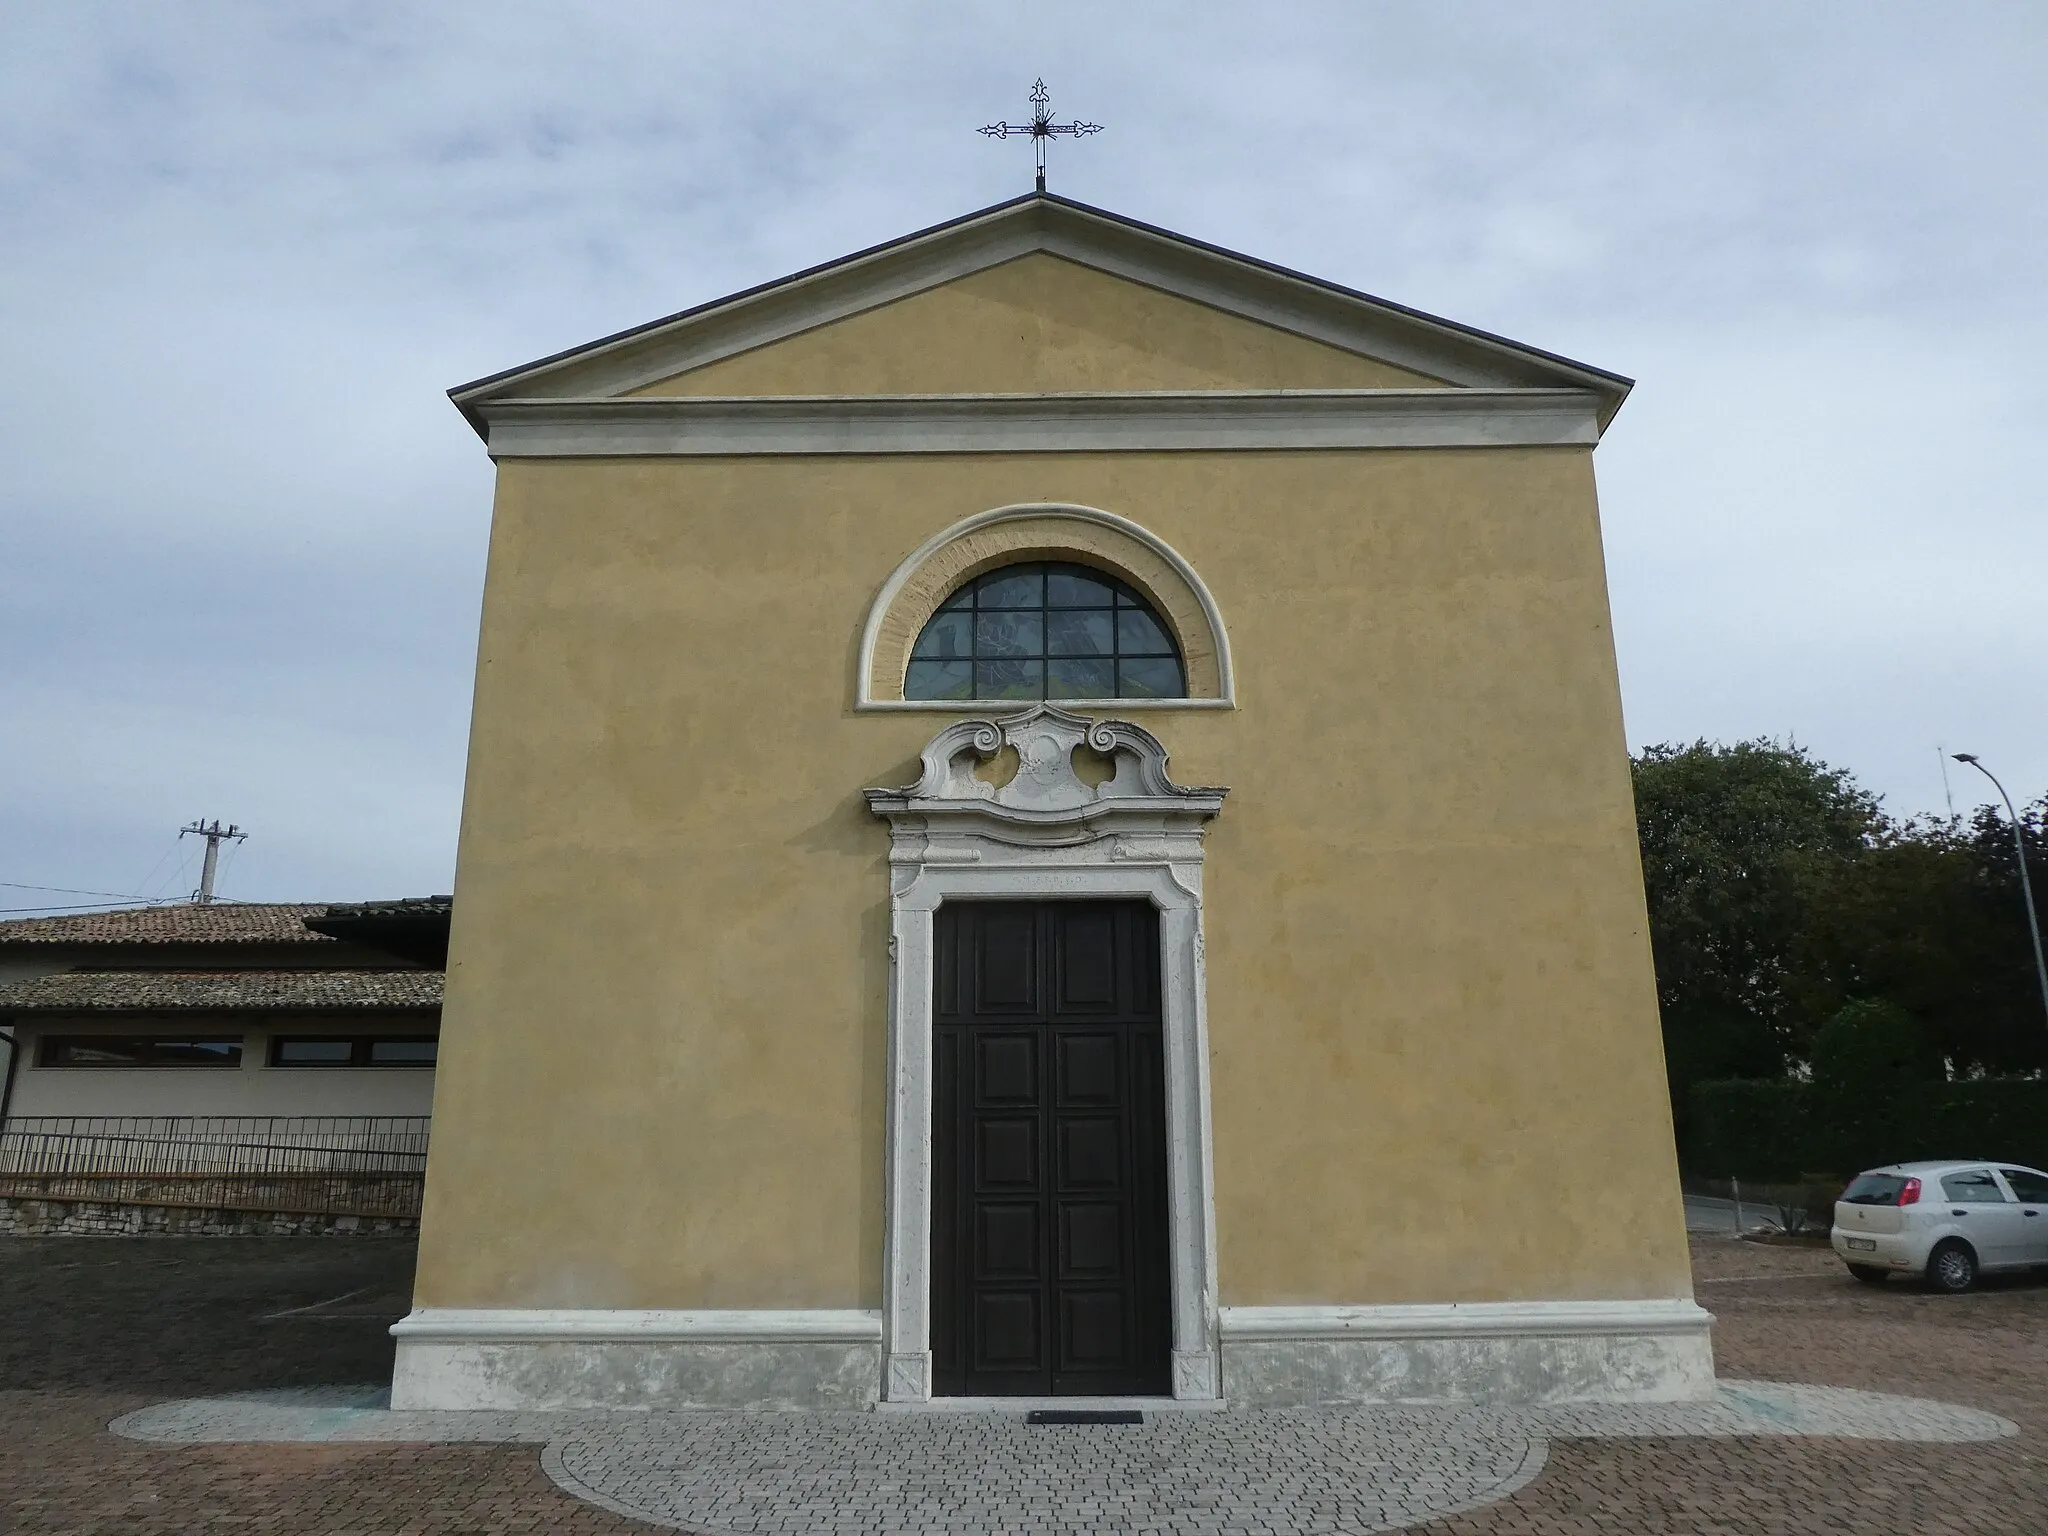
[101, 1218]
[371, 1196]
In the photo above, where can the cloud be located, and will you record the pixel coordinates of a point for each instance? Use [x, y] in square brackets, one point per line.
[249, 247]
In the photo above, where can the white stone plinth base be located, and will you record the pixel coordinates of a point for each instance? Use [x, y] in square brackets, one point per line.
[1500, 1353]
[450, 1358]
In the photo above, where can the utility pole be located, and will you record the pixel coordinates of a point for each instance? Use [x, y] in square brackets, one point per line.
[215, 834]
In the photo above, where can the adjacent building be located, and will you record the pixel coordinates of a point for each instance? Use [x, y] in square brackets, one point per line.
[222, 1009]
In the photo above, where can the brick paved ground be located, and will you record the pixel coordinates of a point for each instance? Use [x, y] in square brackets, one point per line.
[1791, 1314]
[98, 1327]
[94, 1327]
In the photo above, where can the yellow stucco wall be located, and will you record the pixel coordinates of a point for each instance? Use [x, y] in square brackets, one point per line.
[1435, 1060]
[1037, 324]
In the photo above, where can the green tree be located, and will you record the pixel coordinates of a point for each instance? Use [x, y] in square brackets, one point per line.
[1874, 1050]
[1736, 843]
[2009, 1029]
[1876, 1071]
[1929, 917]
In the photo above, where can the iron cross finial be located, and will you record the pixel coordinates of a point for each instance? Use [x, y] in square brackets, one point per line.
[1041, 127]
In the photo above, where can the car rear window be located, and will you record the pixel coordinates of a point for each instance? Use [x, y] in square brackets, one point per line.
[1874, 1189]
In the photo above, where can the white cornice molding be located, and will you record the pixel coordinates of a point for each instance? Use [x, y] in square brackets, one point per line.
[1501, 1319]
[484, 1325]
[1146, 421]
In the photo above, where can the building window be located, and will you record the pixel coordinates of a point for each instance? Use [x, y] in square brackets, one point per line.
[1045, 631]
[141, 1051]
[353, 1050]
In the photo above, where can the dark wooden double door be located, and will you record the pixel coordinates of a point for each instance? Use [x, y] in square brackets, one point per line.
[1049, 1222]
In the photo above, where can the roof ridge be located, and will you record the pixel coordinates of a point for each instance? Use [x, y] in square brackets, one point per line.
[216, 922]
[247, 990]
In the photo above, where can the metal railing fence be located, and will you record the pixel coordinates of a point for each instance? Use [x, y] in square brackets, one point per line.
[341, 1165]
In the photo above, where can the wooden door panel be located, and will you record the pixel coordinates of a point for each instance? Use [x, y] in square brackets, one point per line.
[1090, 1154]
[949, 1129]
[1006, 962]
[1006, 1069]
[1086, 956]
[1049, 1157]
[1008, 1334]
[1091, 1240]
[1087, 1067]
[1092, 1333]
[1006, 1159]
[1010, 1246]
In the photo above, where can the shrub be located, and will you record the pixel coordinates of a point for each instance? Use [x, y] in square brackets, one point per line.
[1871, 1051]
[1784, 1131]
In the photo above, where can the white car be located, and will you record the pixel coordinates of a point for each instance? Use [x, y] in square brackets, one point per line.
[1947, 1222]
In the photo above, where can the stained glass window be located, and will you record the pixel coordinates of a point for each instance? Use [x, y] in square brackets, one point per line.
[1045, 631]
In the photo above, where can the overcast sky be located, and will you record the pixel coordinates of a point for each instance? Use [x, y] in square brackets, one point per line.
[244, 249]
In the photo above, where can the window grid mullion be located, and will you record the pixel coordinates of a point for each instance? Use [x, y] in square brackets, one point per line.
[1121, 599]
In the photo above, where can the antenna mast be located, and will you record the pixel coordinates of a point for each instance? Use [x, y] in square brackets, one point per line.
[215, 834]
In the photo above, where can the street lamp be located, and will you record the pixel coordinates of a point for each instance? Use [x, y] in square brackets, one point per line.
[2026, 888]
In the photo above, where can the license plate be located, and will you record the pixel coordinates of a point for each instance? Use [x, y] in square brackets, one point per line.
[1867, 1245]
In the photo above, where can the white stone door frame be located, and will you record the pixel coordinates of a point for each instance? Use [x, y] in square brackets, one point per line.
[1046, 835]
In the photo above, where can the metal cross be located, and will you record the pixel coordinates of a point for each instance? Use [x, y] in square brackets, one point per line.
[1041, 127]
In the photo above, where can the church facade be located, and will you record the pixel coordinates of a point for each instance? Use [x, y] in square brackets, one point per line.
[1047, 817]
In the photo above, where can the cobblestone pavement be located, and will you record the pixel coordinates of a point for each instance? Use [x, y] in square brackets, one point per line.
[1306, 1472]
[101, 1328]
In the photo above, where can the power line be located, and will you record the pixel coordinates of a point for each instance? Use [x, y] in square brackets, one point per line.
[176, 876]
[177, 847]
[85, 906]
[227, 865]
[66, 890]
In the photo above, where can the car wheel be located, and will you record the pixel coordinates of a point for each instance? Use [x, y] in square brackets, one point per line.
[1951, 1268]
[1869, 1274]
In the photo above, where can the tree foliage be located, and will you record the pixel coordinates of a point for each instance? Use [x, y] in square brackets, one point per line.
[1782, 1130]
[1783, 900]
[1931, 919]
[1873, 1049]
[1733, 842]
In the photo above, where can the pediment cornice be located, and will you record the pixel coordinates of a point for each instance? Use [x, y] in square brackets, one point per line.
[1141, 421]
[1458, 355]
[1047, 791]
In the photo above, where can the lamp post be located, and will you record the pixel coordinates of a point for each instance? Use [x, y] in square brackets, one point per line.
[2019, 839]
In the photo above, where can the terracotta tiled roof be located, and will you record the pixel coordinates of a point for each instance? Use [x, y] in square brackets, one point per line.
[138, 991]
[403, 906]
[221, 922]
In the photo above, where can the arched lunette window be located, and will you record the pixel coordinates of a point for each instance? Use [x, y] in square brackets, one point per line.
[1045, 631]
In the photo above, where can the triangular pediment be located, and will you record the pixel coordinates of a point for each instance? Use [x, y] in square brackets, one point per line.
[1034, 325]
[1040, 296]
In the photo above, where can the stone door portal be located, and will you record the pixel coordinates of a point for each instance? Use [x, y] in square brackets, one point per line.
[1049, 1208]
